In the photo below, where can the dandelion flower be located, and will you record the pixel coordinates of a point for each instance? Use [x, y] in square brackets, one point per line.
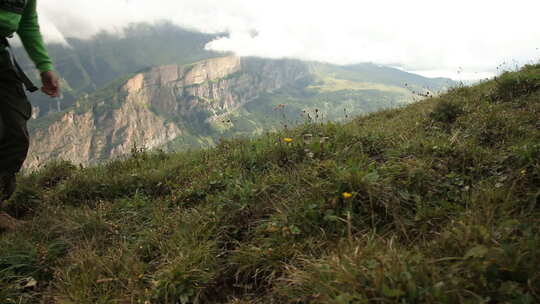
[288, 140]
[347, 195]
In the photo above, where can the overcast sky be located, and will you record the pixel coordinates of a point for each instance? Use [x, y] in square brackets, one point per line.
[459, 39]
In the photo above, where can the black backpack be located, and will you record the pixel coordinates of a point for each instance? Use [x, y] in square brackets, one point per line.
[14, 6]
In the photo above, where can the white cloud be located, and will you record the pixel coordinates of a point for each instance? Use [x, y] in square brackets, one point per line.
[436, 38]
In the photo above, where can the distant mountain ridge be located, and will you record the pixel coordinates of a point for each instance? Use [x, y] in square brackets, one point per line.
[90, 65]
[142, 89]
[177, 107]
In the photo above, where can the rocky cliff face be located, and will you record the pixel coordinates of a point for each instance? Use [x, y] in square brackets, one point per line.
[216, 85]
[188, 106]
[156, 107]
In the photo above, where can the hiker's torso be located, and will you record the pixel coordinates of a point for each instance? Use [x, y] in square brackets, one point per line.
[27, 27]
[11, 88]
[11, 91]
[11, 12]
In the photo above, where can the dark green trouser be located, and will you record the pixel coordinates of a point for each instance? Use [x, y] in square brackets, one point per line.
[15, 110]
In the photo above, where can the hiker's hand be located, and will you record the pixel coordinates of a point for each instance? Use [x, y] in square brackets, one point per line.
[51, 84]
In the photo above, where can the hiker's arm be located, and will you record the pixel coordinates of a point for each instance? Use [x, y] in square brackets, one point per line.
[35, 47]
[32, 40]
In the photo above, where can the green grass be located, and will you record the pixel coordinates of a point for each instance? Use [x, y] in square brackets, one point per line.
[331, 84]
[443, 208]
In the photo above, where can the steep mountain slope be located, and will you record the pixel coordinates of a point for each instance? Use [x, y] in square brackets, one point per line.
[437, 202]
[188, 106]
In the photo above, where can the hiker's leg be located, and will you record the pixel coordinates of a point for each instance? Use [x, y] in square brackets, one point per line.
[15, 110]
[13, 149]
[1, 128]
[15, 141]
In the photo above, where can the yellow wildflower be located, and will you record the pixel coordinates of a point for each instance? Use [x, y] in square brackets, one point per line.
[347, 195]
[288, 140]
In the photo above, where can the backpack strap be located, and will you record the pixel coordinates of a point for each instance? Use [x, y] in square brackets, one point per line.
[28, 84]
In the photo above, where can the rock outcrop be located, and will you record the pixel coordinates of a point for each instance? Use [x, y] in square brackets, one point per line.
[155, 107]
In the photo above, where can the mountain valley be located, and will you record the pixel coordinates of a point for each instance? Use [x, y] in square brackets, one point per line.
[182, 96]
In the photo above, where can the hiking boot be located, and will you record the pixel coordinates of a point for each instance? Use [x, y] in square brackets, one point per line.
[7, 187]
[8, 223]
[8, 184]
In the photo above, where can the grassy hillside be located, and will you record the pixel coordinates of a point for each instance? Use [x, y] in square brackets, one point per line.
[438, 202]
[377, 75]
